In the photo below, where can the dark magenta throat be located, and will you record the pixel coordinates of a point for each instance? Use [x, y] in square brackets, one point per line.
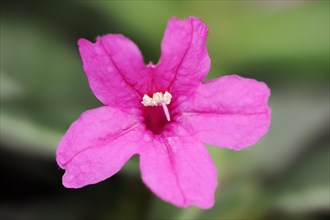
[155, 119]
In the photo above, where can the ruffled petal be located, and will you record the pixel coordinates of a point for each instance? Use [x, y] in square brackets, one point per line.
[230, 112]
[97, 145]
[115, 70]
[184, 60]
[179, 169]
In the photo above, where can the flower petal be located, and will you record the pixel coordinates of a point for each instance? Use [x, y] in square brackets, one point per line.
[97, 145]
[184, 60]
[115, 69]
[178, 168]
[230, 112]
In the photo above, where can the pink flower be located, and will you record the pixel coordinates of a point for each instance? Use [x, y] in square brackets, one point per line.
[164, 113]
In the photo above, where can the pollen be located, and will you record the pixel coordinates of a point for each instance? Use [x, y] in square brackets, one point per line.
[158, 99]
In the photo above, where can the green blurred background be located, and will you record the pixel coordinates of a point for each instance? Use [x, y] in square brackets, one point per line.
[44, 89]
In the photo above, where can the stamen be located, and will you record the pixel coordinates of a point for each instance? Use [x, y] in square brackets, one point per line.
[167, 113]
[158, 99]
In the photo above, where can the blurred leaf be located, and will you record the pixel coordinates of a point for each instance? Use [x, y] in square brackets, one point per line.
[49, 69]
[298, 115]
[9, 89]
[306, 187]
[27, 136]
[308, 200]
[294, 33]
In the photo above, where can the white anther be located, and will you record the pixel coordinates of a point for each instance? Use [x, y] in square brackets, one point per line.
[146, 100]
[157, 99]
[167, 98]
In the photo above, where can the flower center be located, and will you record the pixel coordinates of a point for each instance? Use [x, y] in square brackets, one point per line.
[156, 111]
[158, 99]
